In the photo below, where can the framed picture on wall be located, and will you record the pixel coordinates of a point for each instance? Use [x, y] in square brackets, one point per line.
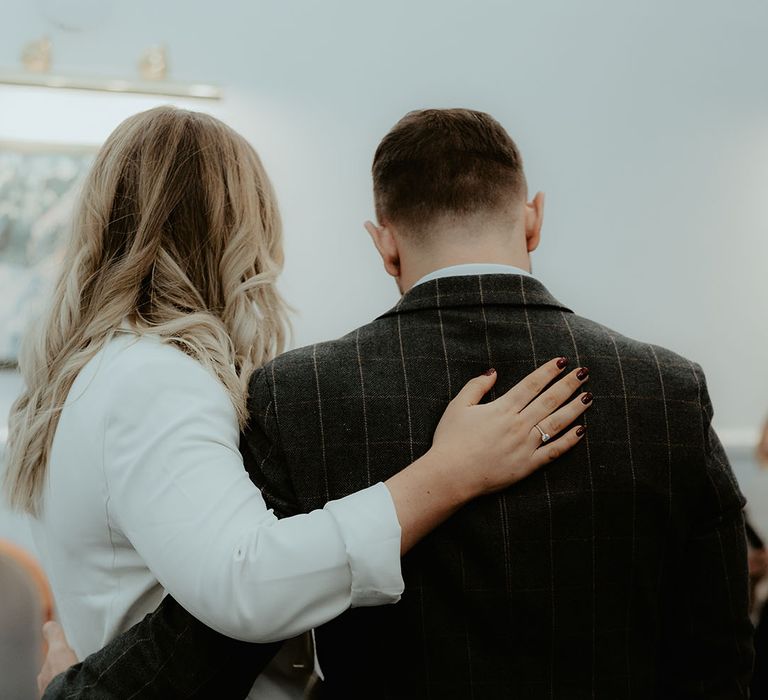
[39, 185]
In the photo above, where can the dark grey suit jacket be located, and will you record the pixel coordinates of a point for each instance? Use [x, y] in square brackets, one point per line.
[617, 572]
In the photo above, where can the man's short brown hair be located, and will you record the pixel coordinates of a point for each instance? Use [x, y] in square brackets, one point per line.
[438, 162]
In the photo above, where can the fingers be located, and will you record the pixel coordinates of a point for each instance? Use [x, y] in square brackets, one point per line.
[563, 417]
[520, 395]
[555, 396]
[550, 451]
[59, 658]
[474, 390]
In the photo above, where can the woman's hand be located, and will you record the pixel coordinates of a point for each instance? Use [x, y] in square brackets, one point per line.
[478, 449]
[487, 447]
[59, 657]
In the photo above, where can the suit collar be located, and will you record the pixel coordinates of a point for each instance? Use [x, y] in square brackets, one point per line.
[469, 269]
[476, 290]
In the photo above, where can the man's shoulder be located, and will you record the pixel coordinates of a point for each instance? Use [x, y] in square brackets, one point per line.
[631, 360]
[301, 365]
[634, 359]
[379, 334]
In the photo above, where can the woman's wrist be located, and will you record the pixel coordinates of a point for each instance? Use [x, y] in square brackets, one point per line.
[425, 494]
[443, 470]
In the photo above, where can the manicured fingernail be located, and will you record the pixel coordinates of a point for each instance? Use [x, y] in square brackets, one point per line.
[562, 363]
[582, 374]
[489, 372]
[581, 430]
[587, 398]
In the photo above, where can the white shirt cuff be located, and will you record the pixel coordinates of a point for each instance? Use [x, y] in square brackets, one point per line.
[371, 533]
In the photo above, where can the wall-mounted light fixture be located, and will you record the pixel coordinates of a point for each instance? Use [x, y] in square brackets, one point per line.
[36, 58]
[145, 87]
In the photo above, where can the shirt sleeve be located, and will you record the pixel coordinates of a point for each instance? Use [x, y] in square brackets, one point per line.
[178, 491]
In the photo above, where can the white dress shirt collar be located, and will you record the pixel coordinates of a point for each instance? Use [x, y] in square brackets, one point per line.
[473, 269]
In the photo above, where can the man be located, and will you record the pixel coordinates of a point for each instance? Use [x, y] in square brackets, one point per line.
[619, 572]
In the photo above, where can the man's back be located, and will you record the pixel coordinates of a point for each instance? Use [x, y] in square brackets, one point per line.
[617, 572]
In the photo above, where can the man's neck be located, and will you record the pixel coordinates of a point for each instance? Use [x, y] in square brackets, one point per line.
[413, 268]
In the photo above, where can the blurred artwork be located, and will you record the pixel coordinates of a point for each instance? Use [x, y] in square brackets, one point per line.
[38, 188]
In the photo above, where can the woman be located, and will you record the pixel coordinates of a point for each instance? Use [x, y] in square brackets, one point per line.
[167, 300]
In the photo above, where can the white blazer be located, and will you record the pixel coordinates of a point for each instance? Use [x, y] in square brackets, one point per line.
[146, 494]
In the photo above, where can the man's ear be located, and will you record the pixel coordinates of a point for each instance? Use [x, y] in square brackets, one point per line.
[534, 218]
[386, 245]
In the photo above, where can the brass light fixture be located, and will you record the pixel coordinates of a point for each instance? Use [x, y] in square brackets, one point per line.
[36, 59]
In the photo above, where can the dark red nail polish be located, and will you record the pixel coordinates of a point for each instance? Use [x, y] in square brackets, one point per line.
[581, 430]
[587, 398]
[562, 363]
[582, 374]
[489, 372]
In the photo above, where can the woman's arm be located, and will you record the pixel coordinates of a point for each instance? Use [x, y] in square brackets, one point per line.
[178, 491]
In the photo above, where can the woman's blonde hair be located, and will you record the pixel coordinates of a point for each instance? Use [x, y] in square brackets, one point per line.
[177, 232]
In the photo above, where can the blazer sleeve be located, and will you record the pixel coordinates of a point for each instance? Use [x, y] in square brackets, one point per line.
[707, 651]
[169, 655]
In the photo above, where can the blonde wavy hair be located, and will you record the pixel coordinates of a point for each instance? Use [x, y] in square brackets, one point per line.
[177, 232]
